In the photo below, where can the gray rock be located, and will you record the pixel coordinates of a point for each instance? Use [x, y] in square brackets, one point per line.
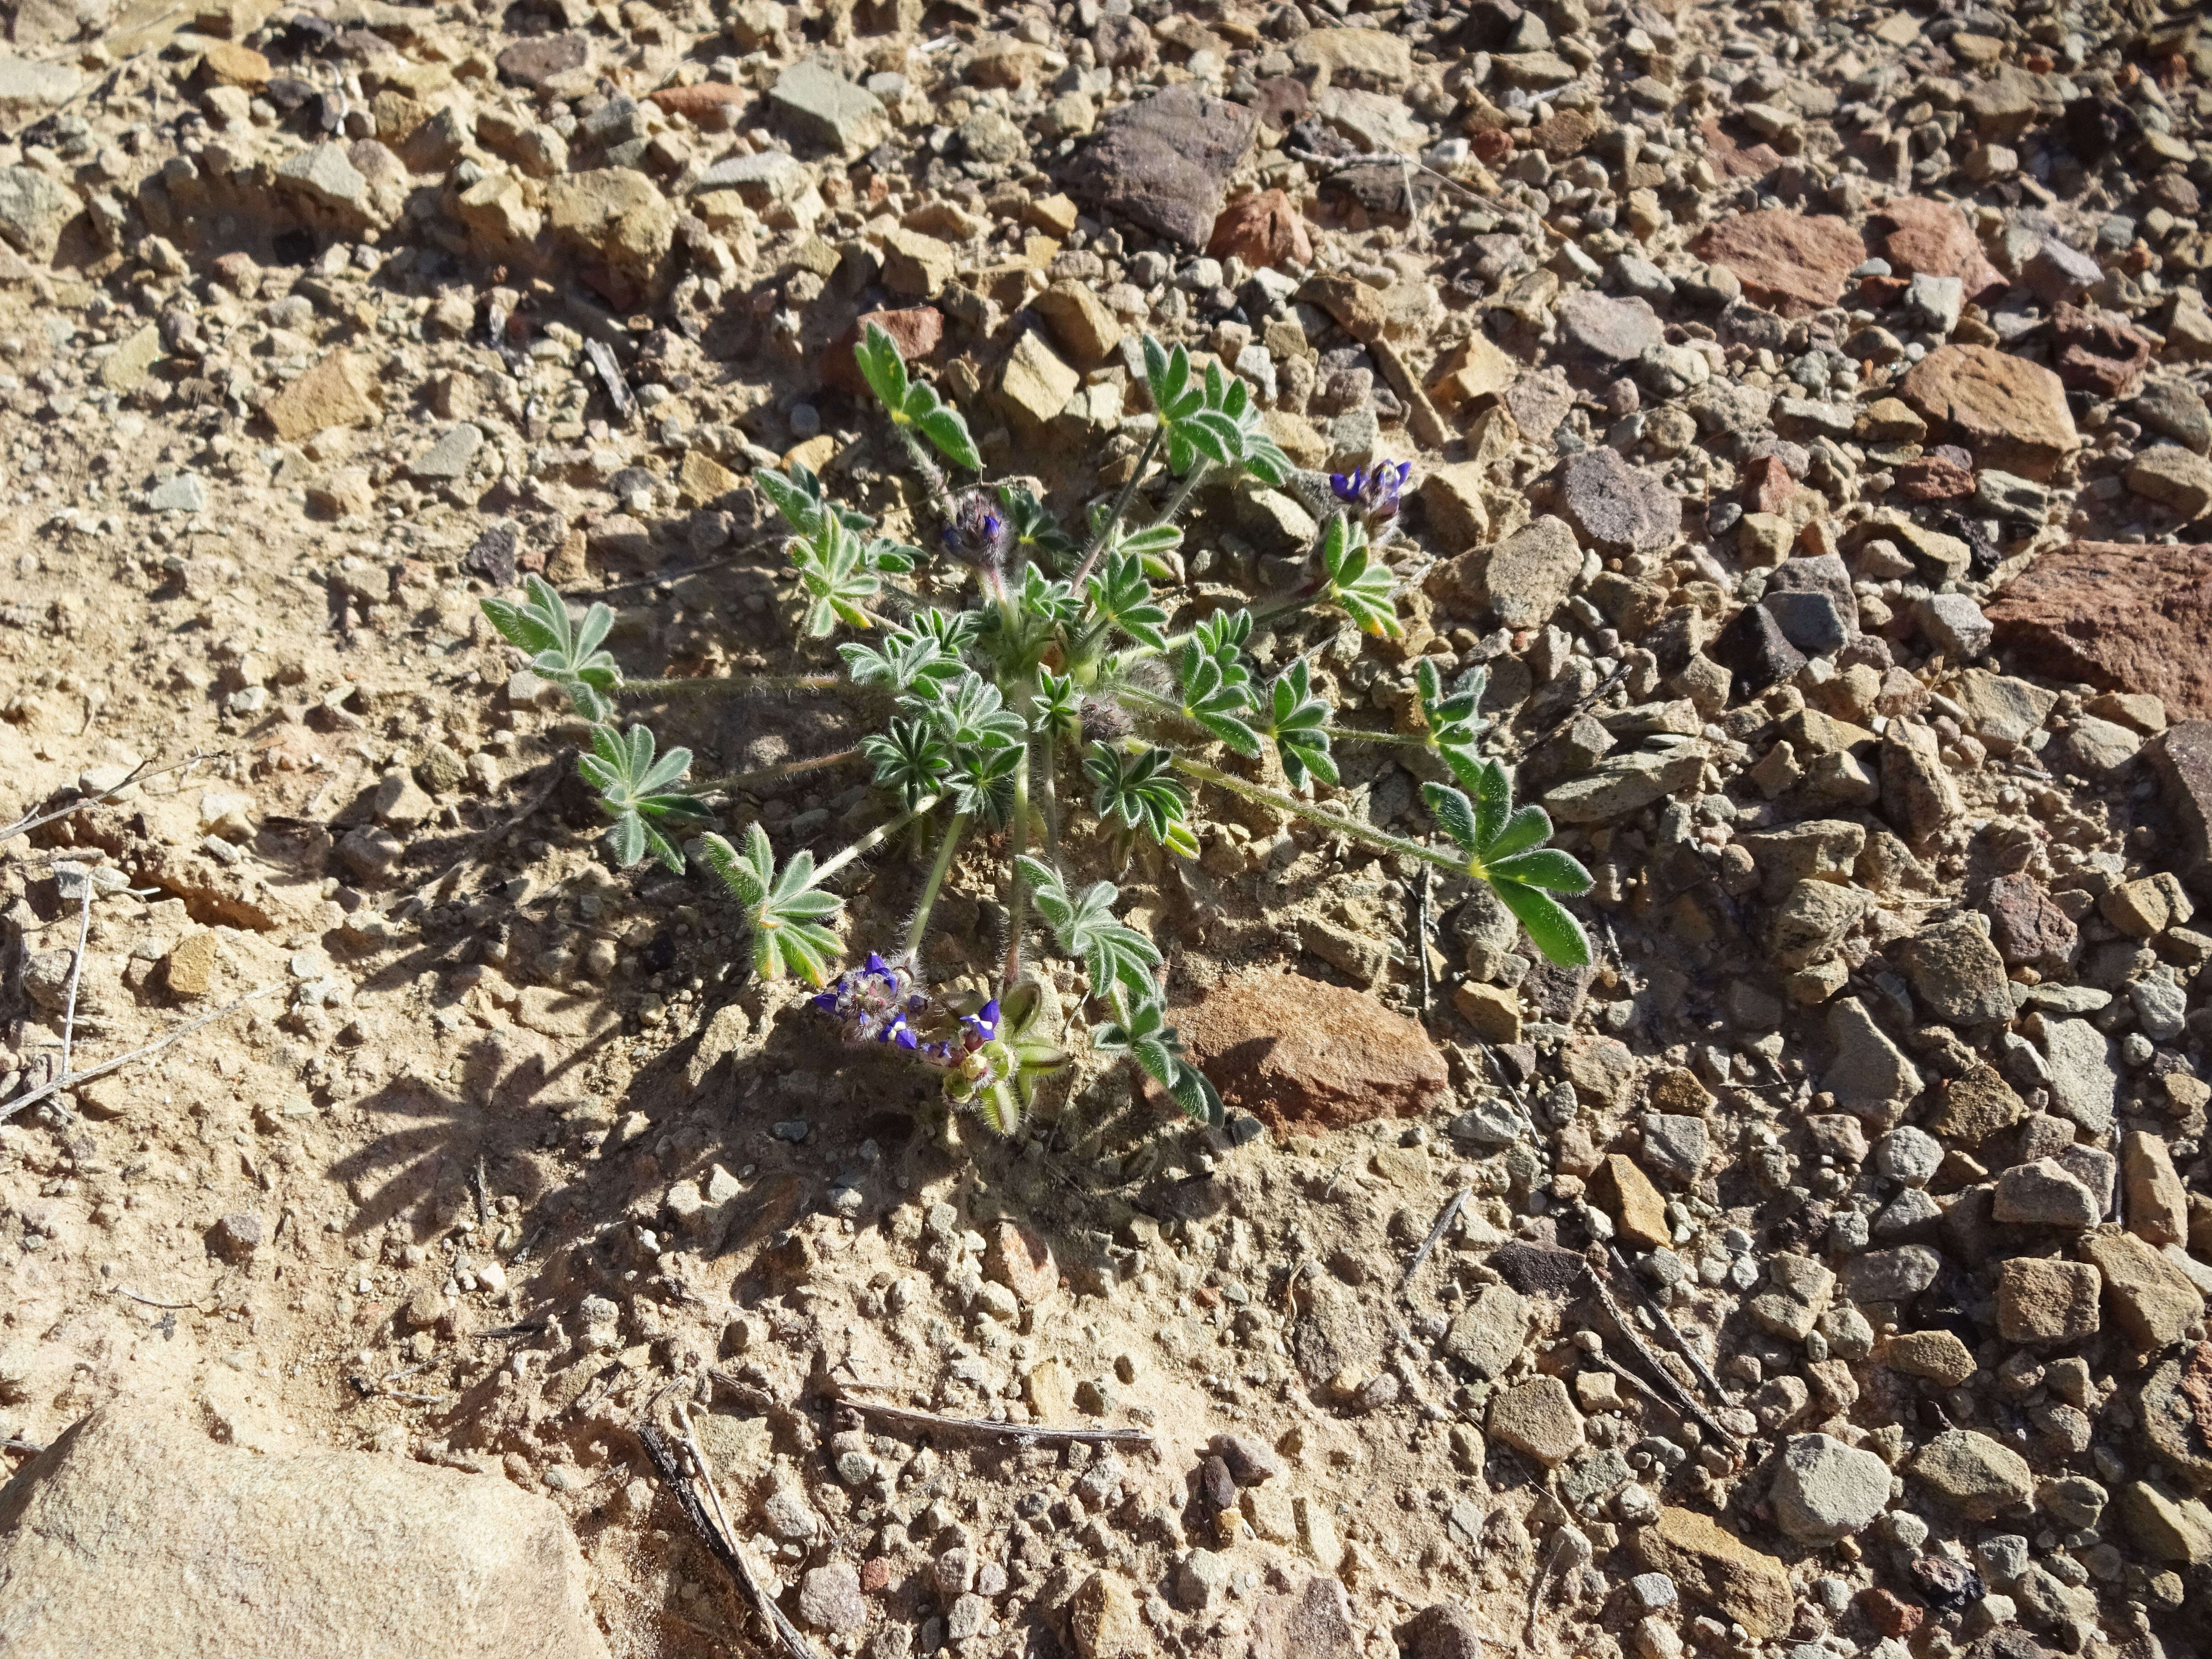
[829, 1598]
[1935, 300]
[1165, 161]
[1957, 973]
[1869, 1070]
[448, 458]
[1490, 1332]
[1826, 1490]
[29, 89]
[2173, 409]
[2055, 272]
[1894, 1275]
[2084, 1083]
[1490, 1121]
[1529, 575]
[325, 174]
[1619, 509]
[2099, 749]
[1814, 623]
[1974, 1473]
[2044, 1193]
[1621, 784]
[34, 209]
[2161, 1008]
[135, 1534]
[1908, 1156]
[1675, 1144]
[826, 109]
[1609, 329]
[1955, 626]
[185, 493]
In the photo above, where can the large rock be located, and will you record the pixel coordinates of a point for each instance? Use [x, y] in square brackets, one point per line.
[1919, 236]
[1825, 1490]
[619, 220]
[2183, 757]
[134, 1534]
[1489, 1333]
[826, 109]
[1523, 580]
[1164, 162]
[1608, 329]
[2084, 1083]
[33, 209]
[1295, 1052]
[1974, 1474]
[29, 89]
[1870, 1074]
[1719, 1570]
[336, 391]
[2123, 617]
[2010, 412]
[1619, 509]
[1793, 263]
[1957, 973]
[2153, 1300]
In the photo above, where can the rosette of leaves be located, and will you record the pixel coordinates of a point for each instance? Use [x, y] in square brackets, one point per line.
[636, 788]
[1505, 848]
[565, 652]
[1211, 418]
[788, 914]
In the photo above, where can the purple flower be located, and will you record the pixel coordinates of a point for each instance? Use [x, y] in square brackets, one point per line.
[1372, 492]
[875, 1002]
[976, 531]
[982, 1026]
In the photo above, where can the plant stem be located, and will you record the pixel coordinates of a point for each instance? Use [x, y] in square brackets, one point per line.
[1049, 800]
[1121, 506]
[732, 685]
[1343, 826]
[920, 924]
[1019, 892]
[1353, 734]
[932, 474]
[781, 770]
[875, 837]
[1199, 469]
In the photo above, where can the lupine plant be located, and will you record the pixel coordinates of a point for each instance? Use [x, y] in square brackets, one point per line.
[1057, 685]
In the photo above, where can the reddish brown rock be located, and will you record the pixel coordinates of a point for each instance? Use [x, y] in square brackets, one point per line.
[2011, 413]
[1767, 484]
[533, 61]
[1266, 230]
[1563, 135]
[1022, 1262]
[1733, 160]
[2121, 616]
[1935, 479]
[1299, 1053]
[1793, 263]
[1492, 146]
[695, 102]
[1925, 238]
[1889, 1614]
[917, 330]
[2027, 928]
[2098, 351]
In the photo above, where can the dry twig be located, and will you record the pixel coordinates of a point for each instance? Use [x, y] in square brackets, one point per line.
[137, 775]
[714, 1529]
[70, 1080]
[1443, 1225]
[76, 966]
[1680, 1343]
[1035, 1434]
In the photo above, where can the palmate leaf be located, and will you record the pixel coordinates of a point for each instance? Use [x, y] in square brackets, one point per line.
[1058, 711]
[1119, 594]
[1139, 1029]
[969, 712]
[911, 757]
[1035, 530]
[634, 789]
[1504, 847]
[1113, 953]
[906, 660]
[910, 402]
[835, 580]
[1041, 596]
[1140, 791]
[800, 499]
[1358, 582]
[1298, 722]
[564, 650]
[789, 915]
[982, 783]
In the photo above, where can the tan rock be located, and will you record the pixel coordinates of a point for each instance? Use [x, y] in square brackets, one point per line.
[1974, 1474]
[2155, 1302]
[2157, 1206]
[1494, 1010]
[335, 392]
[1538, 1420]
[1106, 1621]
[225, 64]
[500, 211]
[917, 265]
[135, 1534]
[2010, 412]
[1298, 1053]
[193, 965]
[619, 216]
[1458, 512]
[1473, 368]
[1939, 1356]
[2045, 1301]
[701, 479]
[1085, 327]
[1639, 1212]
[1034, 385]
[1720, 1571]
[129, 364]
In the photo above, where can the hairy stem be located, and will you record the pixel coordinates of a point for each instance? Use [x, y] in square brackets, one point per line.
[1018, 890]
[1199, 469]
[875, 837]
[1401, 739]
[1342, 826]
[732, 685]
[1049, 800]
[932, 474]
[928, 901]
[1121, 506]
[781, 770]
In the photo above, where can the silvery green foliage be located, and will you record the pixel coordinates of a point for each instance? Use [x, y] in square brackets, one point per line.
[1059, 688]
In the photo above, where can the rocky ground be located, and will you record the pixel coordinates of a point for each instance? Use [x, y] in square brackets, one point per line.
[1807, 419]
